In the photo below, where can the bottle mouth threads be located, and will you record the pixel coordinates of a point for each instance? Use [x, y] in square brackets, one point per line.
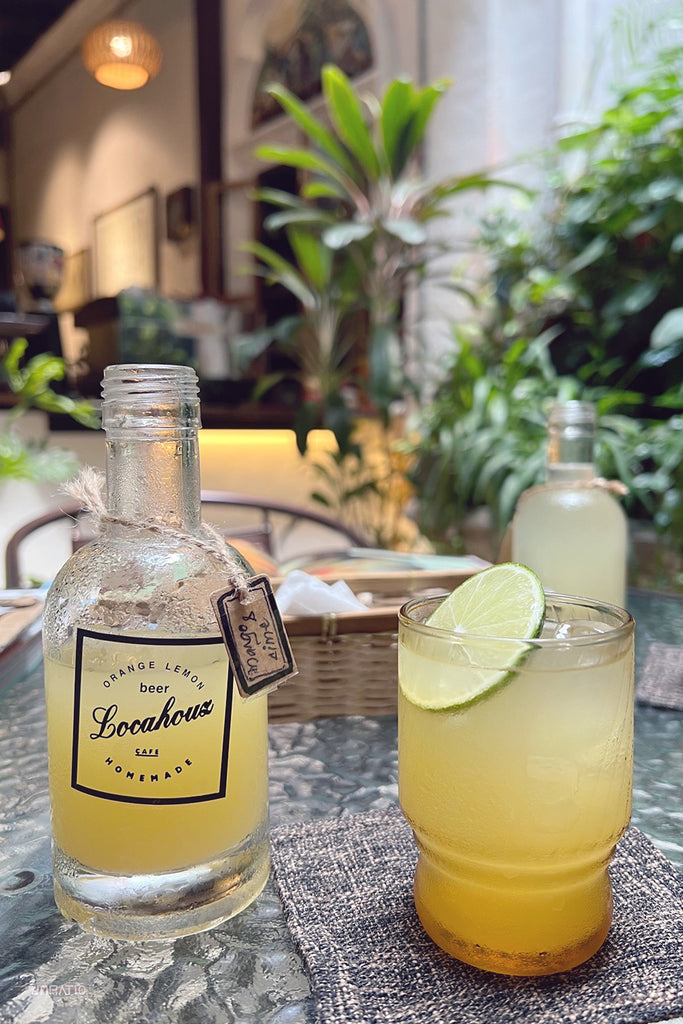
[572, 414]
[142, 400]
[571, 433]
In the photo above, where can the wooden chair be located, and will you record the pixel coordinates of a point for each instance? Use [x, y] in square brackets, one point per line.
[275, 521]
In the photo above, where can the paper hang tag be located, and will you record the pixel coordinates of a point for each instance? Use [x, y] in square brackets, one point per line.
[255, 637]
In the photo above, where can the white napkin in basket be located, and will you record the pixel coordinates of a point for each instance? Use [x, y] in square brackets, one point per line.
[301, 594]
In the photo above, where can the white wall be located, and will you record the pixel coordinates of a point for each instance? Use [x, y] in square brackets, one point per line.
[81, 149]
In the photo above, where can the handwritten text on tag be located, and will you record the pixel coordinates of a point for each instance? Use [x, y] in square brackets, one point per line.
[255, 637]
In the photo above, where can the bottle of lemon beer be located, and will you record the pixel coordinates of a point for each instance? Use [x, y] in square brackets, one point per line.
[572, 530]
[158, 766]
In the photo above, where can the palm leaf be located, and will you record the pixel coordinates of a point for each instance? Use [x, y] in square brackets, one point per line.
[314, 258]
[345, 112]
[282, 271]
[313, 128]
[397, 110]
[423, 107]
[303, 159]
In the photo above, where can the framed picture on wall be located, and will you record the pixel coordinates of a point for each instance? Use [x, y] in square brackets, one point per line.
[126, 250]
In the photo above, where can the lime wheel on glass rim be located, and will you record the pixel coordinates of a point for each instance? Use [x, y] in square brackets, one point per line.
[504, 602]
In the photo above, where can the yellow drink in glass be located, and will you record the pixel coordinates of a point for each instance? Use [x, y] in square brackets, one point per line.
[517, 799]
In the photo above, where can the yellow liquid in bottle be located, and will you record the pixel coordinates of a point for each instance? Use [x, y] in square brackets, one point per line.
[111, 834]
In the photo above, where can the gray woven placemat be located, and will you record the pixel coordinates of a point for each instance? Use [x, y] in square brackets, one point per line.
[346, 888]
[661, 680]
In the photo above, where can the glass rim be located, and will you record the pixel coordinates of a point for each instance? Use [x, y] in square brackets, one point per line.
[624, 627]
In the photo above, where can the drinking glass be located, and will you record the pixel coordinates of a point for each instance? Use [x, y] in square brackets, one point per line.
[518, 798]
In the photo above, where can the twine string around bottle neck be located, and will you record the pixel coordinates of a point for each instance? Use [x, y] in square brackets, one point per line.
[88, 489]
[594, 483]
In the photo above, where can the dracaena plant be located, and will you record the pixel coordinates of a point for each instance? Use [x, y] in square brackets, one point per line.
[359, 231]
[319, 338]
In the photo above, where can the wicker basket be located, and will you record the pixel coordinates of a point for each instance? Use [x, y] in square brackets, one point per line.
[347, 662]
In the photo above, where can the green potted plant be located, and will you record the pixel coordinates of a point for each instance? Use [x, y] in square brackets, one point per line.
[31, 386]
[318, 339]
[359, 232]
[30, 471]
[582, 303]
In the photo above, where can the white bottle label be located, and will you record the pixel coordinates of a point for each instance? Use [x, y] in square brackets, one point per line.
[151, 720]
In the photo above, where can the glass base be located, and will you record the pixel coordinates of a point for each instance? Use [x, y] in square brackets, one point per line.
[517, 931]
[165, 905]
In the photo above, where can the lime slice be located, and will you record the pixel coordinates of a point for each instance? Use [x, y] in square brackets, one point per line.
[505, 602]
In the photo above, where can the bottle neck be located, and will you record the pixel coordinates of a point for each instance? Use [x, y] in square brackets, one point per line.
[571, 442]
[154, 478]
[151, 417]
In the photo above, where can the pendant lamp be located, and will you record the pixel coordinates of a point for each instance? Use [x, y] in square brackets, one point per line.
[121, 54]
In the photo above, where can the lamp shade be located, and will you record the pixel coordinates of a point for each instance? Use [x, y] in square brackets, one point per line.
[121, 54]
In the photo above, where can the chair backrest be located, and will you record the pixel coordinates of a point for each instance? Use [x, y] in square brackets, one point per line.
[265, 533]
[277, 523]
[68, 510]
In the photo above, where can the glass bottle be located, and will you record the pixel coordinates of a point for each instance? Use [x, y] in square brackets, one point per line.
[572, 531]
[158, 768]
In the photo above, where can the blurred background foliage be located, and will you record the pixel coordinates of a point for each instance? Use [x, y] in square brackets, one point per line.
[581, 298]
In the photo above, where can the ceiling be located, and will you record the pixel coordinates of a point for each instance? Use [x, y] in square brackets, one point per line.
[22, 22]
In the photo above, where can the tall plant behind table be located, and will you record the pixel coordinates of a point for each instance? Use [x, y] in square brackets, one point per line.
[364, 198]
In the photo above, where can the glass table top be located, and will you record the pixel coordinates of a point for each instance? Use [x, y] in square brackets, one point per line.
[246, 970]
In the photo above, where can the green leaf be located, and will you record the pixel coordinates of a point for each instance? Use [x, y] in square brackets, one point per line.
[277, 197]
[80, 411]
[655, 357]
[641, 225]
[671, 399]
[303, 159]
[499, 462]
[320, 498]
[317, 189]
[13, 358]
[246, 347]
[423, 106]
[312, 127]
[266, 383]
[397, 110]
[338, 418]
[633, 298]
[306, 420]
[668, 330]
[345, 111]
[408, 231]
[341, 235]
[282, 271]
[385, 365]
[314, 258]
[275, 221]
[580, 140]
[594, 251]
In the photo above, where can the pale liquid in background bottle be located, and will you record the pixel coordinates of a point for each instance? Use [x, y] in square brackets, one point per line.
[517, 802]
[573, 537]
